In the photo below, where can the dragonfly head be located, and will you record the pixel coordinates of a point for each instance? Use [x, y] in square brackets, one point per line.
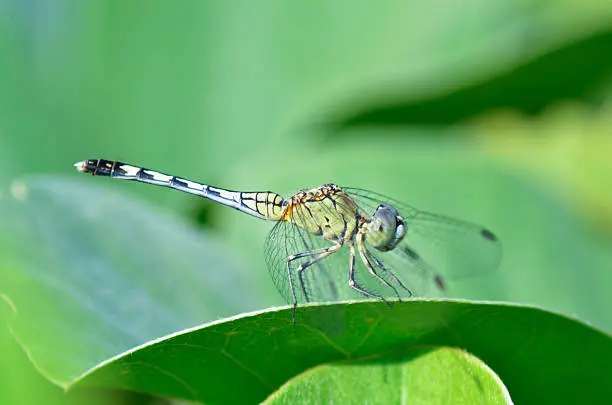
[386, 228]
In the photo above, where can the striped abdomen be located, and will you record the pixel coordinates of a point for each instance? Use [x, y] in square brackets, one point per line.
[265, 205]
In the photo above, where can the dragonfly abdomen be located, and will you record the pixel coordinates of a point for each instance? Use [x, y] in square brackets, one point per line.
[269, 205]
[264, 205]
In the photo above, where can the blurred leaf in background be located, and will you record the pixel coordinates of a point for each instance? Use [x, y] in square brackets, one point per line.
[493, 112]
[23, 384]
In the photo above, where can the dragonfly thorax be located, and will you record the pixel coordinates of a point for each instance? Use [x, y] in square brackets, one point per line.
[326, 211]
[385, 229]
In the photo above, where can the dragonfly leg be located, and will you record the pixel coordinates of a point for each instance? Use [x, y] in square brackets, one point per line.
[319, 254]
[309, 253]
[388, 272]
[292, 291]
[422, 266]
[354, 285]
[365, 258]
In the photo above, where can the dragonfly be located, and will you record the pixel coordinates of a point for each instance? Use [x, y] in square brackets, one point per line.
[334, 243]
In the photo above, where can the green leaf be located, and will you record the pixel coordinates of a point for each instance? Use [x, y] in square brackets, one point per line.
[423, 375]
[88, 274]
[573, 145]
[512, 89]
[542, 357]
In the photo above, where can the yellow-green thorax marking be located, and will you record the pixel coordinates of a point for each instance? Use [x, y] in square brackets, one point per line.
[330, 212]
[326, 211]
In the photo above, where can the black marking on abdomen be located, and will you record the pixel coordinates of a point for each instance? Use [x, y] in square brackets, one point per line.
[212, 191]
[242, 199]
[100, 167]
[279, 203]
[141, 174]
[176, 182]
[117, 170]
[246, 198]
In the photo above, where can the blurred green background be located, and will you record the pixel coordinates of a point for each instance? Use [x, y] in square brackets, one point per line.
[494, 112]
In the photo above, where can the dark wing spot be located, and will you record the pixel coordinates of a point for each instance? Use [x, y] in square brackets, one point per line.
[488, 235]
[411, 253]
[440, 282]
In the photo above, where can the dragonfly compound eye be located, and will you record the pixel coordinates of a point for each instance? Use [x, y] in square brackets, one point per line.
[386, 228]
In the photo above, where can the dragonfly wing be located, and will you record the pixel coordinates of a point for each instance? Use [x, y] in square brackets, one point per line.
[317, 282]
[436, 247]
[276, 250]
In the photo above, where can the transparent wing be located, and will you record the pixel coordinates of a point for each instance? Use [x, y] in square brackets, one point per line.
[277, 247]
[316, 283]
[435, 247]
